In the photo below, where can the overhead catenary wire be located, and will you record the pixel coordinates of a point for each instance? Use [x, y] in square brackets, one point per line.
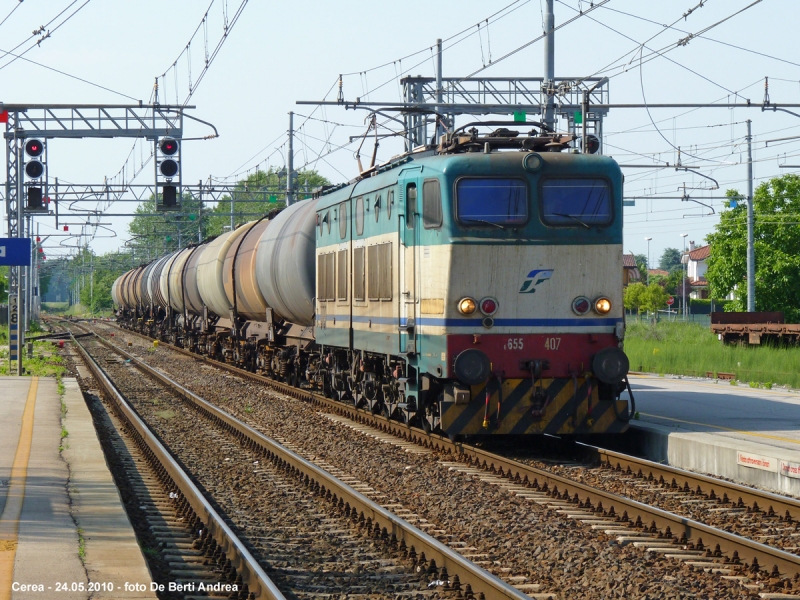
[16, 6]
[42, 29]
[704, 37]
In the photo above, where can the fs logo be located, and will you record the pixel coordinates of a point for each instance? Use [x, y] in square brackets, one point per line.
[533, 279]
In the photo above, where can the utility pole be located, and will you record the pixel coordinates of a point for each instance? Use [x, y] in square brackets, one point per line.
[439, 126]
[549, 64]
[200, 213]
[232, 218]
[290, 163]
[751, 254]
[91, 283]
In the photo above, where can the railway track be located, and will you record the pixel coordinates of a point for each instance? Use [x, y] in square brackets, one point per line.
[626, 522]
[366, 549]
[187, 542]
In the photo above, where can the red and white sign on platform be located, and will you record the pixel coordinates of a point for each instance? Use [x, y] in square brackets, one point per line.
[790, 469]
[756, 461]
[670, 301]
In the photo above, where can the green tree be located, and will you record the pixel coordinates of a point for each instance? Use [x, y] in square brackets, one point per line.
[3, 284]
[670, 260]
[654, 298]
[641, 264]
[776, 206]
[153, 234]
[634, 296]
[257, 195]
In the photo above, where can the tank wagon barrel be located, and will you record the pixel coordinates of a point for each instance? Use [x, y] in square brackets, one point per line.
[474, 288]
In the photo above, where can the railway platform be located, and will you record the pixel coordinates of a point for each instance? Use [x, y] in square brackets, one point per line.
[748, 435]
[63, 530]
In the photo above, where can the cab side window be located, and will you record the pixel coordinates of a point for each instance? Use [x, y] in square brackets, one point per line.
[411, 204]
[431, 204]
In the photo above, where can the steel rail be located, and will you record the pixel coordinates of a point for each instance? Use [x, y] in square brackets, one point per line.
[695, 482]
[737, 548]
[257, 581]
[388, 524]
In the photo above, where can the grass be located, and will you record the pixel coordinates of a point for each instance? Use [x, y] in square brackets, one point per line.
[61, 391]
[691, 349]
[81, 546]
[166, 414]
[46, 361]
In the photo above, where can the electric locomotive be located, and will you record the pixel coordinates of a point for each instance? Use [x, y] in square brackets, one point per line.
[473, 288]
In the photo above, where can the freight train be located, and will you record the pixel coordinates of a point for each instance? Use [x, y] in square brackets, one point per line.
[474, 288]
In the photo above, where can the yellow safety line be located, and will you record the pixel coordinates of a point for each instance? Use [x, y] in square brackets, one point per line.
[721, 428]
[9, 520]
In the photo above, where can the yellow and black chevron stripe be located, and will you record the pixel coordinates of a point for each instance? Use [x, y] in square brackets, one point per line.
[570, 407]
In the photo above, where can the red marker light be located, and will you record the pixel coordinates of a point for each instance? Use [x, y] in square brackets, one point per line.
[488, 306]
[38, 239]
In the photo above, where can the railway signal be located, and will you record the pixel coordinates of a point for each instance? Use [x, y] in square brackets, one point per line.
[168, 174]
[34, 170]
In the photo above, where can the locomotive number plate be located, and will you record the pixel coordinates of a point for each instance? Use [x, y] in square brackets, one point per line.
[552, 343]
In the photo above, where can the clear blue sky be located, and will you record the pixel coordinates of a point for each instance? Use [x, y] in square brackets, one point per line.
[279, 52]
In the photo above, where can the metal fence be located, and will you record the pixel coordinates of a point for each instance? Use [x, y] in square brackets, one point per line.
[670, 316]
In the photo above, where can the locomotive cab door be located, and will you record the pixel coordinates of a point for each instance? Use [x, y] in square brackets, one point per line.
[408, 277]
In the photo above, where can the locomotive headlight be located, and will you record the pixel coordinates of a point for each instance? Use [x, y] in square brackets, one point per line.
[602, 305]
[489, 306]
[467, 306]
[581, 305]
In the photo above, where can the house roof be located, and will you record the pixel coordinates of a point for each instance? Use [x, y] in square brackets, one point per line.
[661, 272]
[702, 282]
[629, 261]
[700, 253]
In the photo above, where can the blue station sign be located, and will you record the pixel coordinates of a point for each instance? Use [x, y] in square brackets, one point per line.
[15, 252]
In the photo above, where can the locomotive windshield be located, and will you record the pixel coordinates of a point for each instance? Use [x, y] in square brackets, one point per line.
[576, 202]
[491, 201]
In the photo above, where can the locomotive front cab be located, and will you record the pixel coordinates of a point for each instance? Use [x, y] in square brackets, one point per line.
[528, 265]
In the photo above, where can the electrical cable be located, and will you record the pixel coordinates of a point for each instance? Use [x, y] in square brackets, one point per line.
[444, 49]
[81, 79]
[622, 12]
[455, 35]
[536, 39]
[46, 36]
[11, 13]
[675, 62]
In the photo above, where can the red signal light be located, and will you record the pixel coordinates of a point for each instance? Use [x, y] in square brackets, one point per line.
[168, 146]
[66, 227]
[34, 148]
[489, 306]
[38, 239]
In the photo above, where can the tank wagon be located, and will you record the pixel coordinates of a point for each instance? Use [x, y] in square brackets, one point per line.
[473, 288]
